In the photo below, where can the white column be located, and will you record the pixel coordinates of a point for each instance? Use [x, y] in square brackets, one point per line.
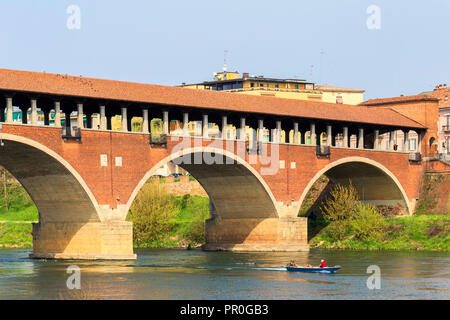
[242, 133]
[260, 130]
[224, 127]
[345, 137]
[57, 114]
[102, 117]
[329, 136]
[124, 120]
[205, 126]
[80, 116]
[9, 110]
[361, 139]
[166, 122]
[295, 137]
[406, 141]
[376, 136]
[278, 132]
[145, 120]
[391, 140]
[34, 115]
[186, 123]
[313, 134]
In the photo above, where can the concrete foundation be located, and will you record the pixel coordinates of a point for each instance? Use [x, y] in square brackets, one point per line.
[272, 234]
[111, 240]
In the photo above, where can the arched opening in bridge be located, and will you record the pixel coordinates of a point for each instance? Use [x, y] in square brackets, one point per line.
[375, 185]
[240, 202]
[64, 203]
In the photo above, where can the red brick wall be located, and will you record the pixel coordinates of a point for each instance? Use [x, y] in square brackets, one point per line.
[113, 185]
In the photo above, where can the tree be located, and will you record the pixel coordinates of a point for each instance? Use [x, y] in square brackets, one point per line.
[151, 213]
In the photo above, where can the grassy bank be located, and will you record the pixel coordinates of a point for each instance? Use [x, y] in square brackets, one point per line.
[186, 227]
[422, 232]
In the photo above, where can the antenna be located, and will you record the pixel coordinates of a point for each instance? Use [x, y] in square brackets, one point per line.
[311, 73]
[225, 52]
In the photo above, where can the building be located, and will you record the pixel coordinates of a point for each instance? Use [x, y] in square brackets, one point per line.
[281, 88]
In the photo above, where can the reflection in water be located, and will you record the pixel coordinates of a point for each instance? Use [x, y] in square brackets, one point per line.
[194, 274]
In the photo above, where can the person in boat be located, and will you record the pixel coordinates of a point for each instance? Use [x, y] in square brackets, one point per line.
[292, 263]
[323, 264]
[308, 265]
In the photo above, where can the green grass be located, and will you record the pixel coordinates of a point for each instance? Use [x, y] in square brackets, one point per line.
[15, 235]
[422, 232]
[24, 213]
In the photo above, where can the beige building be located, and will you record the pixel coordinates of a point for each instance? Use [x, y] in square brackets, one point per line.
[281, 88]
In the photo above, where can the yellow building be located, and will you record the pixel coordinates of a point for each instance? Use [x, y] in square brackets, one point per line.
[282, 88]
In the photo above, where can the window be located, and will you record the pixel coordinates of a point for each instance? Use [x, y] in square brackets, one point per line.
[277, 86]
[296, 86]
[261, 84]
[252, 84]
[412, 144]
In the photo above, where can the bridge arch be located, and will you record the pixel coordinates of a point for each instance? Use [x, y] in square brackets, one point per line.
[375, 183]
[57, 189]
[228, 186]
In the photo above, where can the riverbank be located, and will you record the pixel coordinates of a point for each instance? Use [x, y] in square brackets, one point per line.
[422, 232]
[187, 227]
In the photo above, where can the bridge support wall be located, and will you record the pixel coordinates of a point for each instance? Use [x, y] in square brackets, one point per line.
[272, 234]
[111, 240]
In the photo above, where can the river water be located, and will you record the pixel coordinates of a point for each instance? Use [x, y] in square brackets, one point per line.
[194, 274]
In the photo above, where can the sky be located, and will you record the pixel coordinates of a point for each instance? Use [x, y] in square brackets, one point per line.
[400, 47]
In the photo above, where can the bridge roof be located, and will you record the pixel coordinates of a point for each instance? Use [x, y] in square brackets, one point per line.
[76, 86]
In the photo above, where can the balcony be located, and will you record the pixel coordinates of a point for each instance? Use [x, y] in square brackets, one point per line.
[415, 157]
[323, 151]
[71, 134]
[158, 140]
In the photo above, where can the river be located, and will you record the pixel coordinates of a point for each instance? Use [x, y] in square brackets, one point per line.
[194, 274]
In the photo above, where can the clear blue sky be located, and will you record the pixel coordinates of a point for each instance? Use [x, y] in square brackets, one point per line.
[170, 42]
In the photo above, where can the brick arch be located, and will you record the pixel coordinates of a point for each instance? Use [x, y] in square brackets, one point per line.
[247, 193]
[364, 171]
[57, 189]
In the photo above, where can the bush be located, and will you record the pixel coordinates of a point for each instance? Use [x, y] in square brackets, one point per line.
[338, 208]
[151, 213]
[367, 223]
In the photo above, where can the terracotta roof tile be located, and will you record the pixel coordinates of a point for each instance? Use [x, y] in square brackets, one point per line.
[55, 84]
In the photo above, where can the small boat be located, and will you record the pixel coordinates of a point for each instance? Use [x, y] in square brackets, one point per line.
[313, 269]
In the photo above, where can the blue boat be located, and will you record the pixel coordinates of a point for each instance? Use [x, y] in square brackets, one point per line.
[314, 269]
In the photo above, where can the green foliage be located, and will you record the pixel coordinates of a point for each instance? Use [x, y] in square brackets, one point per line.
[16, 235]
[342, 204]
[367, 223]
[151, 213]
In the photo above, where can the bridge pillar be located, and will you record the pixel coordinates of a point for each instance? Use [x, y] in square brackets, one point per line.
[260, 130]
[345, 136]
[9, 110]
[145, 120]
[361, 138]
[57, 114]
[124, 120]
[313, 134]
[391, 140]
[80, 116]
[376, 136]
[34, 116]
[111, 240]
[329, 135]
[224, 127]
[166, 122]
[406, 141]
[205, 126]
[256, 234]
[295, 139]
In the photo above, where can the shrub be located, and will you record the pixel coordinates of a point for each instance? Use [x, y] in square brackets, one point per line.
[151, 213]
[367, 223]
[342, 204]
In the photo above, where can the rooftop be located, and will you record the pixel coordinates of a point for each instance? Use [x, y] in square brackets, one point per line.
[77, 86]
